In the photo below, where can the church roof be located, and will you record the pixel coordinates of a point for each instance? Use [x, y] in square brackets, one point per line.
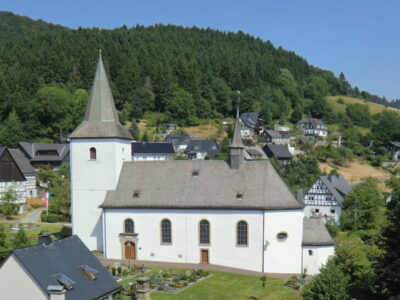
[315, 233]
[201, 184]
[237, 137]
[101, 118]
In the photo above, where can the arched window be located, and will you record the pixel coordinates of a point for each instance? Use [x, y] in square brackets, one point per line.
[129, 226]
[241, 231]
[204, 232]
[166, 235]
[92, 153]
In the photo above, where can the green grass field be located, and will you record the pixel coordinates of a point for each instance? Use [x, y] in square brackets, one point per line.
[228, 286]
[374, 108]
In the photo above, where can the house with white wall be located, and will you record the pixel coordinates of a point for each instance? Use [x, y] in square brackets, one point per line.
[313, 127]
[148, 151]
[55, 270]
[233, 213]
[325, 197]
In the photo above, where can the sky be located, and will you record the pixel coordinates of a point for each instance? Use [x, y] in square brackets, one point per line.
[360, 38]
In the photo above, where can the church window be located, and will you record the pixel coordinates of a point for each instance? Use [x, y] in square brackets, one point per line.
[93, 155]
[166, 234]
[242, 233]
[282, 236]
[129, 226]
[204, 232]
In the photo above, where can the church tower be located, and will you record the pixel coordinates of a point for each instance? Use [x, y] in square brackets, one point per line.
[98, 148]
[236, 155]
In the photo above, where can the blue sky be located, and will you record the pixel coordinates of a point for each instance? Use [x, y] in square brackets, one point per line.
[358, 37]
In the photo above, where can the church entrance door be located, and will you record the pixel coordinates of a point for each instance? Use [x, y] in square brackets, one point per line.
[204, 256]
[130, 250]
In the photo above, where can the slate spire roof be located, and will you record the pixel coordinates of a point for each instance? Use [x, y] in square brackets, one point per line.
[237, 137]
[101, 118]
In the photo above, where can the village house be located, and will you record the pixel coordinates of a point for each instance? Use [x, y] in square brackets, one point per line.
[233, 213]
[279, 152]
[394, 148]
[152, 151]
[276, 137]
[200, 149]
[44, 155]
[251, 124]
[325, 197]
[17, 174]
[56, 270]
[179, 141]
[313, 127]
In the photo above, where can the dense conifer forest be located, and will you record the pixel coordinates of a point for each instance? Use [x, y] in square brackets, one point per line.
[184, 74]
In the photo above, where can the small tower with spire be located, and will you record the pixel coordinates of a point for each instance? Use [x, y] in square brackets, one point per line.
[98, 148]
[236, 155]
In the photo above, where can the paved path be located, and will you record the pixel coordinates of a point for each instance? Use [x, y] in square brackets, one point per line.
[32, 217]
[208, 267]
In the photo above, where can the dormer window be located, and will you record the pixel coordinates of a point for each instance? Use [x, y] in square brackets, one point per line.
[90, 272]
[93, 154]
[239, 196]
[65, 281]
[195, 174]
[135, 194]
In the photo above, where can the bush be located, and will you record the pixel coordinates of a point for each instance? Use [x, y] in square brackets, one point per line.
[34, 202]
[340, 100]
[53, 218]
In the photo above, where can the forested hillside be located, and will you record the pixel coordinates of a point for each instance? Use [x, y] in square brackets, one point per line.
[181, 73]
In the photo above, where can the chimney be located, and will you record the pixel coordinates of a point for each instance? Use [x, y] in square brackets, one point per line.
[56, 292]
[44, 238]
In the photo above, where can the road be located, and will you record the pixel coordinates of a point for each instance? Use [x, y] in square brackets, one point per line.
[32, 217]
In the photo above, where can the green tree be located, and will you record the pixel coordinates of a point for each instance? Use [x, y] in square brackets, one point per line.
[297, 114]
[359, 114]
[316, 88]
[134, 129]
[181, 108]
[363, 207]
[330, 284]
[20, 240]
[288, 85]
[388, 266]
[8, 206]
[12, 130]
[4, 249]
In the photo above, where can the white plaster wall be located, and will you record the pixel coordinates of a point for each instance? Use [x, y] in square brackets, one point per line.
[185, 247]
[90, 179]
[16, 284]
[319, 257]
[283, 256]
[324, 210]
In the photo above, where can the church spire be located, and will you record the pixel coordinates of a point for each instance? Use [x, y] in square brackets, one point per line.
[236, 155]
[101, 118]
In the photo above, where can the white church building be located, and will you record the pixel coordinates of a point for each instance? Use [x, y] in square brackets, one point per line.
[238, 213]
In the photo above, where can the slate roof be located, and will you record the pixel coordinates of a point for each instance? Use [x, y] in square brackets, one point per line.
[101, 118]
[249, 119]
[172, 184]
[31, 151]
[237, 136]
[254, 152]
[22, 162]
[315, 233]
[313, 121]
[2, 149]
[209, 146]
[273, 134]
[177, 139]
[277, 151]
[337, 185]
[66, 256]
[152, 148]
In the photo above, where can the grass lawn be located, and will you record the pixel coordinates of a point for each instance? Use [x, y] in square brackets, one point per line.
[228, 286]
[374, 108]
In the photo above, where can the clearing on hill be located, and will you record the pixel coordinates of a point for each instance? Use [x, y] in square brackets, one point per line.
[374, 108]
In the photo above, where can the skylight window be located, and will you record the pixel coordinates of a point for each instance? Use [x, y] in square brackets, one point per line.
[195, 173]
[239, 196]
[65, 281]
[90, 272]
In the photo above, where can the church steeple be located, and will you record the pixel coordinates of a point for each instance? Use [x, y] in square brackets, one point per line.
[236, 155]
[101, 118]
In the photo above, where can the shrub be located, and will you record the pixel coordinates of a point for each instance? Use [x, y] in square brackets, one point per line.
[340, 100]
[53, 218]
[114, 271]
[34, 202]
[119, 270]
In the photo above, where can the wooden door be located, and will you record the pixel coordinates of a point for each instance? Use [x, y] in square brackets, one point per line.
[129, 250]
[204, 256]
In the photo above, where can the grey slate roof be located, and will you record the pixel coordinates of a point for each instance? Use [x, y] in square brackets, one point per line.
[249, 119]
[315, 233]
[277, 151]
[254, 152]
[178, 139]
[273, 133]
[237, 136]
[101, 118]
[312, 121]
[22, 162]
[152, 148]
[171, 184]
[2, 149]
[209, 146]
[66, 256]
[337, 185]
[31, 151]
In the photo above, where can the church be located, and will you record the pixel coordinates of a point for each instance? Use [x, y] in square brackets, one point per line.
[233, 213]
